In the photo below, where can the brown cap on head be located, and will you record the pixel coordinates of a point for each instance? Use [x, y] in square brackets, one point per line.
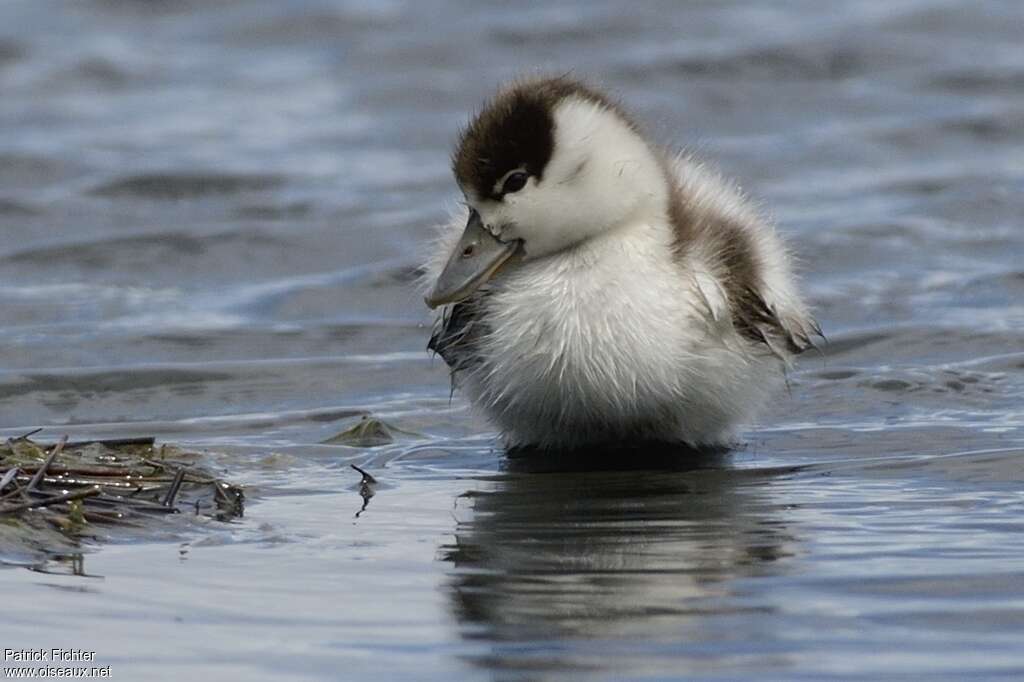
[516, 129]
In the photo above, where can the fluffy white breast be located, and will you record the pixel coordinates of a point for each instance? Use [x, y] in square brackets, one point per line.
[613, 340]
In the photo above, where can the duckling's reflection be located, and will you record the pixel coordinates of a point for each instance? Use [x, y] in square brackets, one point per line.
[614, 553]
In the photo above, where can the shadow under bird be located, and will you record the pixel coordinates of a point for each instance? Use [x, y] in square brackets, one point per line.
[598, 289]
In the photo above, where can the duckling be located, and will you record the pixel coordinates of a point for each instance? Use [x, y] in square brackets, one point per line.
[596, 289]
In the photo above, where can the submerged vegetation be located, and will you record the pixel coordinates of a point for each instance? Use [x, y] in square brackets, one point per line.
[53, 496]
[369, 432]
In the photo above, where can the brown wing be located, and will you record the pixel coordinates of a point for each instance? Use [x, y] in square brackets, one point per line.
[758, 321]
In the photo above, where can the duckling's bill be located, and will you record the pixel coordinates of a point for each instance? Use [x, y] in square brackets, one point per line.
[476, 258]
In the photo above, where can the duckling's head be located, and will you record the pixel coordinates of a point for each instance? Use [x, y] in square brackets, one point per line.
[545, 166]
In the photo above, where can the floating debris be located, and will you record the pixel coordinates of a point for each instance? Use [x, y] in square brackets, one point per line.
[367, 488]
[72, 486]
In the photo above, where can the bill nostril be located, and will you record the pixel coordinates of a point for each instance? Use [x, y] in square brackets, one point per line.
[468, 251]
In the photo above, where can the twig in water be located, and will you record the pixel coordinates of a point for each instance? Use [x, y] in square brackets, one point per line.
[164, 465]
[175, 487]
[38, 478]
[49, 501]
[8, 477]
[18, 491]
[28, 435]
[367, 478]
[86, 470]
[366, 488]
[114, 442]
[232, 505]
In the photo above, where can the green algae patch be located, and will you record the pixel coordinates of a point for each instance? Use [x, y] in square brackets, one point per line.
[369, 432]
[54, 497]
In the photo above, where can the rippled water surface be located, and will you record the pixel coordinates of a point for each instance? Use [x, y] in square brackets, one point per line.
[212, 213]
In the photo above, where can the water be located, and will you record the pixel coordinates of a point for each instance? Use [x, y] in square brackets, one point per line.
[212, 213]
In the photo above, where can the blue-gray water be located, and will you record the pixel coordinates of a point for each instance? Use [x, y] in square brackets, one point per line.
[211, 213]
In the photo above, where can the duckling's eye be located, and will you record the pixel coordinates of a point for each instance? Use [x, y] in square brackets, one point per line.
[514, 182]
